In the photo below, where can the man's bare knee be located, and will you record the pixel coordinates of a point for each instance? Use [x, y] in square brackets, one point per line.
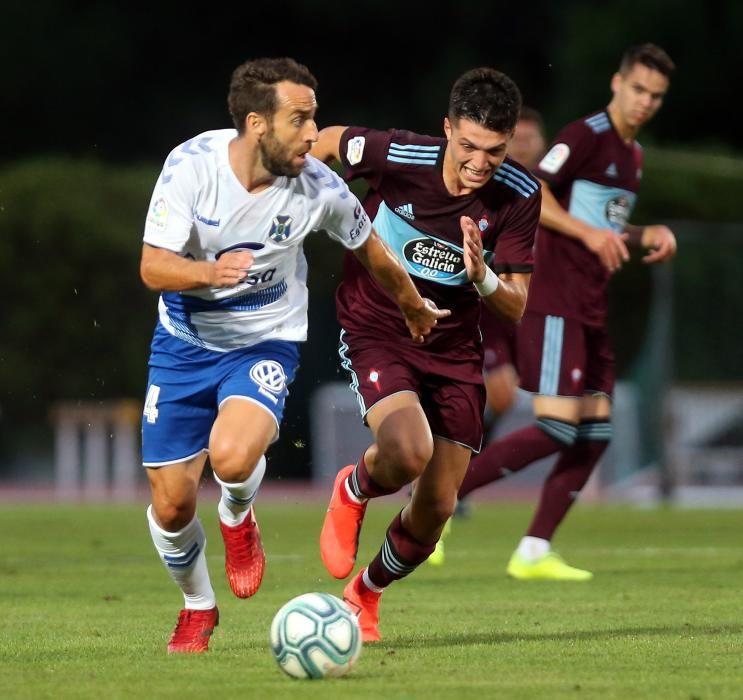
[407, 458]
[173, 516]
[233, 459]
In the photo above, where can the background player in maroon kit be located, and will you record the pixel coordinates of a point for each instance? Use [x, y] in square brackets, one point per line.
[501, 379]
[527, 146]
[529, 141]
[590, 177]
[448, 208]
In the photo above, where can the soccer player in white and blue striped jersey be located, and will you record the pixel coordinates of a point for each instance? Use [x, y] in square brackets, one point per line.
[223, 245]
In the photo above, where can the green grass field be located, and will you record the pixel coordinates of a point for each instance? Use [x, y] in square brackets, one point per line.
[87, 609]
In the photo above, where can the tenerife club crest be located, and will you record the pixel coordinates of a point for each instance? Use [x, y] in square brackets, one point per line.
[280, 228]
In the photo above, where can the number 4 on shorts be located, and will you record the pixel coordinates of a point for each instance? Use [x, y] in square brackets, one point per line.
[150, 403]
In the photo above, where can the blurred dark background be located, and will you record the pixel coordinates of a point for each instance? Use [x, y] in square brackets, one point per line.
[108, 80]
[94, 95]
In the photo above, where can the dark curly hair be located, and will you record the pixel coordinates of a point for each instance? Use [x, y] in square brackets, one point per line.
[253, 86]
[487, 97]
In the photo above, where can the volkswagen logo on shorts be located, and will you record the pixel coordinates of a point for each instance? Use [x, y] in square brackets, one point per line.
[269, 375]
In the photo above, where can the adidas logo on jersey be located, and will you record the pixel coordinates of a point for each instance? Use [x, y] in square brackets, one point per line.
[611, 171]
[406, 210]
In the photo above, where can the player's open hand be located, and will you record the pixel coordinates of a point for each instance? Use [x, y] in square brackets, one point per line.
[231, 268]
[609, 246]
[474, 260]
[660, 241]
[421, 321]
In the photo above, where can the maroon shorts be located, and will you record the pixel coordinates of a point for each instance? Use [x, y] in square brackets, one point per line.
[562, 357]
[453, 406]
[498, 341]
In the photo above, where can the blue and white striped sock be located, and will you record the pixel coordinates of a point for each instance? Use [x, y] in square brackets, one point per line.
[182, 553]
[238, 497]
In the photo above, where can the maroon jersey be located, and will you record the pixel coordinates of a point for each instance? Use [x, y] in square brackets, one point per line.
[419, 219]
[498, 340]
[595, 176]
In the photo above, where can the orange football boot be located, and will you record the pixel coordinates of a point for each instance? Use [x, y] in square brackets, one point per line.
[339, 537]
[365, 605]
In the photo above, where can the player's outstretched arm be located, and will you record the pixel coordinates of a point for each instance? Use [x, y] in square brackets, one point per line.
[166, 271]
[328, 144]
[503, 294]
[420, 314]
[658, 239]
[610, 247]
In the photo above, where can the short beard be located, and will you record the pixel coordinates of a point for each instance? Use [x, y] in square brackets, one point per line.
[274, 157]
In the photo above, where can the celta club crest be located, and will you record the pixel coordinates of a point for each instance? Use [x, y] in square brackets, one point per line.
[280, 228]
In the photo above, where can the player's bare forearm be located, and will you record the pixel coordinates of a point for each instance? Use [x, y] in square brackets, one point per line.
[328, 144]
[386, 269]
[503, 294]
[166, 271]
[553, 216]
[420, 314]
[610, 247]
[508, 301]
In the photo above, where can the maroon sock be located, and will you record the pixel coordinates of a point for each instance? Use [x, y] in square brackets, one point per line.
[401, 553]
[560, 490]
[363, 486]
[507, 455]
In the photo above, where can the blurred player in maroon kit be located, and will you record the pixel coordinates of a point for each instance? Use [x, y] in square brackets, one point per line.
[527, 146]
[449, 208]
[498, 336]
[590, 178]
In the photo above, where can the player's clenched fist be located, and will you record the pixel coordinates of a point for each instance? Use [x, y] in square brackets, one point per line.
[421, 320]
[231, 268]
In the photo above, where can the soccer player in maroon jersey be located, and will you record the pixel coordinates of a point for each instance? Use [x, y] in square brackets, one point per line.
[527, 146]
[590, 177]
[461, 218]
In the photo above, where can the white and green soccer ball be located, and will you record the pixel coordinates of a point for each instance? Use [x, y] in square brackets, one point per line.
[315, 635]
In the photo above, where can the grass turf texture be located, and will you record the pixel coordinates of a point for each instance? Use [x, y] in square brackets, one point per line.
[87, 609]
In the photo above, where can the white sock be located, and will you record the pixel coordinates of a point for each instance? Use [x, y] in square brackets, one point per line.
[182, 553]
[533, 548]
[237, 498]
[368, 582]
[352, 495]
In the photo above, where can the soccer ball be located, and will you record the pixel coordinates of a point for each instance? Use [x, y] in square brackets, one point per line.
[315, 635]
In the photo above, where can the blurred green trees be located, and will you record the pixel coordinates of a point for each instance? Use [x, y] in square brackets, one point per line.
[76, 319]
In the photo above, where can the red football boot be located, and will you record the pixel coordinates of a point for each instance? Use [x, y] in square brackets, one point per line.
[244, 558]
[192, 631]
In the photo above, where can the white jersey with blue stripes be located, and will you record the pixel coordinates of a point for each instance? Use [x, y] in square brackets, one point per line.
[199, 210]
